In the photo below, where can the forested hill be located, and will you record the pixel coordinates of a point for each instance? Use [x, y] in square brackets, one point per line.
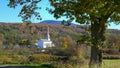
[113, 31]
[14, 33]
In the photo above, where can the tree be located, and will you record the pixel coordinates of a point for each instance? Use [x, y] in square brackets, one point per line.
[29, 9]
[98, 13]
[64, 43]
[113, 43]
[1, 39]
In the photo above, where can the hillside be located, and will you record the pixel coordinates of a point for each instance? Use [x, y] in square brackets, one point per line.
[28, 34]
[15, 33]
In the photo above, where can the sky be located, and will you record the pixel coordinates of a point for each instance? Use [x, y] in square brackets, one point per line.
[10, 15]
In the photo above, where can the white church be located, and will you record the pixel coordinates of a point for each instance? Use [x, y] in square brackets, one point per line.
[44, 43]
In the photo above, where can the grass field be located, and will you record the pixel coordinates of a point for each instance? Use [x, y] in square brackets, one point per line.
[106, 64]
[26, 66]
[111, 63]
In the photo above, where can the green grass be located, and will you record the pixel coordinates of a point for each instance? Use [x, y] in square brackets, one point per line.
[106, 64]
[20, 64]
[29, 65]
[111, 63]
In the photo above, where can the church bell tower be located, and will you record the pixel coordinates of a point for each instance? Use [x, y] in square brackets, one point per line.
[48, 36]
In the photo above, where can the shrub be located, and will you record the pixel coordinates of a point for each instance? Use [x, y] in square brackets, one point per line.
[68, 65]
[63, 51]
[46, 66]
[20, 59]
[111, 57]
[64, 65]
[5, 60]
[40, 58]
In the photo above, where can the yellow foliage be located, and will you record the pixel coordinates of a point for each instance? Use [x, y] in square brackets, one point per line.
[5, 60]
[35, 41]
[67, 42]
[68, 66]
[40, 58]
[64, 43]
[79, 53]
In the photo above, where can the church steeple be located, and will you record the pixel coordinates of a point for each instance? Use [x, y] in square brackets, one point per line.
[48, 36]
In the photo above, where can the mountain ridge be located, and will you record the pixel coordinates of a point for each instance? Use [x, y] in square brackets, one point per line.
[55, 22]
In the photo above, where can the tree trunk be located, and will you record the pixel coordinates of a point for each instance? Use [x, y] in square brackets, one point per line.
[96, 57]
[97, 39]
